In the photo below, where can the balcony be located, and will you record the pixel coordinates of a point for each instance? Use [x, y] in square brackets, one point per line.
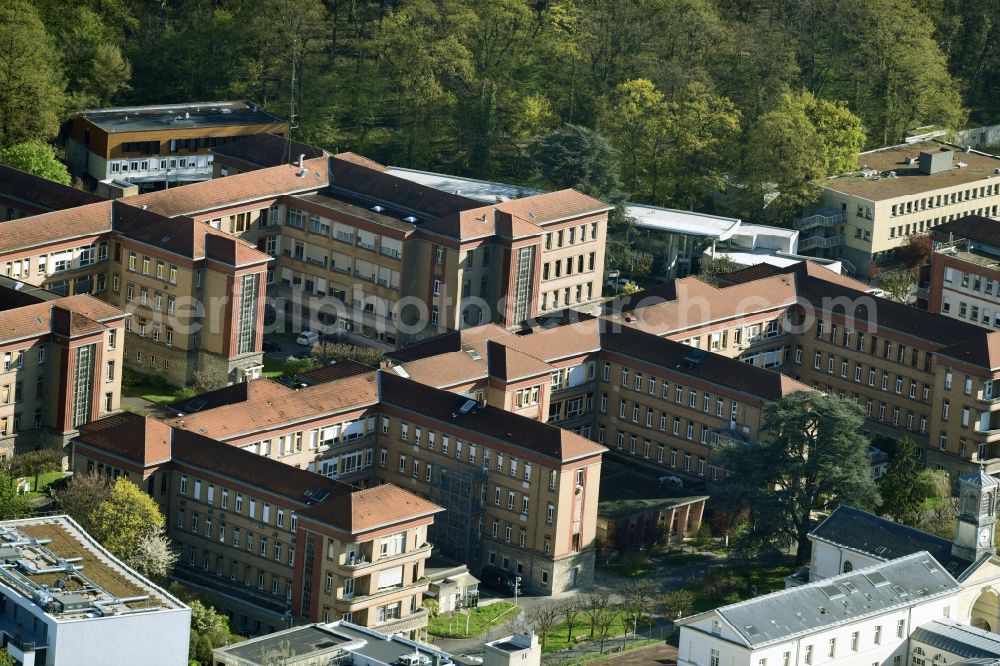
[822, 218]
[821, 242]
[372, 561]
[359, 600]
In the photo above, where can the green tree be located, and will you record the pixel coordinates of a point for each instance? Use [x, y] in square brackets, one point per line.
[125, 519]
[712, 268]
[783, 157]
[12, 503]
[634, 118]
[37, 158]
[32, 98]
[902, 494]
[580, 158]
[678, 603]
[899, 284]
[209, 630]
[81, 497]
[811, 455]
[110, 74]
[35, 463]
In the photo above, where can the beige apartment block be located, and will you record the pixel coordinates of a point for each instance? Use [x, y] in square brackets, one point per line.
[897, 192]
[60, 365]
[269, 544]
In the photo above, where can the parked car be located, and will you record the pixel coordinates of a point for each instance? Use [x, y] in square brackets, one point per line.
[621, 283]
[499, 579]
[307, 338]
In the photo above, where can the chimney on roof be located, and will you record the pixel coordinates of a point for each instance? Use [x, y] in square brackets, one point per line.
[302, 159]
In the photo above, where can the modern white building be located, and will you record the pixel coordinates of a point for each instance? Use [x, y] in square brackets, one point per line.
[859, 618]
[518, 649]
[676, 238]
[64, 599]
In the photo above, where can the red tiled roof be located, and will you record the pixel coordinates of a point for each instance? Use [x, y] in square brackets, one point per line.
[360, 160]
[48, 228]
[540, 209]
[518, 431]
[146, 441]
[80, 314]
[231, 190]
[371, 508]
[270, 403]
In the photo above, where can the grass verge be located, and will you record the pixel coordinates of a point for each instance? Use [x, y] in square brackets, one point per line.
[445, 625]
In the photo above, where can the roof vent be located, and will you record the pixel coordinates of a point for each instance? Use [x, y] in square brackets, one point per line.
[302, 173]
[410, 219]
[187, 115]
[302, 159]
[378, 209]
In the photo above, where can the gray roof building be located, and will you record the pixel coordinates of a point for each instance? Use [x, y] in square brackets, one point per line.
[840, 600]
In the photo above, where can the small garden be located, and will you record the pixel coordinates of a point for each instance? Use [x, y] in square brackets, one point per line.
[478, 620]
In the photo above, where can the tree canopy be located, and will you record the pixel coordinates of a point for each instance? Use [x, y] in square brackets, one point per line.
[125, 519]
[678, 87]
[902, 493]
[811, 455]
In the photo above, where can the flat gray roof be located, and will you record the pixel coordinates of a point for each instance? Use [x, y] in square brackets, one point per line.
[300, 642]
[179, 116]
[316, 640]
[647, 217]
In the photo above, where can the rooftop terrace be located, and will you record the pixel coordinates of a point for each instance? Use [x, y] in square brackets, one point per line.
[67, 574]
[909, 179]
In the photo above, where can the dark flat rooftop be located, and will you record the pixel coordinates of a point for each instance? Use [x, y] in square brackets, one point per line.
[179, 116]
[631, 489]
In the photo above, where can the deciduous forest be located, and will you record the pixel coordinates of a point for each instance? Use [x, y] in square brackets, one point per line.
[683, 96]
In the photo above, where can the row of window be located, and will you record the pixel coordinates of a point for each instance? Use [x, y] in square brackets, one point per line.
[937, 200]
[572, 264]
[261, 547]
[903, 230]
[219, 496]
[883, 376]
[157, 165]
[581, 293]
[570, 236]
[629, 441]
[242, 572]
[473, 454]
[163, 271]
[971, 312]
[652, 386]
[317, 439]
[862, 341]
[65, 260]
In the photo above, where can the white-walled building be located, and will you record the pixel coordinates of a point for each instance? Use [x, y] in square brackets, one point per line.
[519, 649]
[64, 599]
[859, 618]
[851, 539]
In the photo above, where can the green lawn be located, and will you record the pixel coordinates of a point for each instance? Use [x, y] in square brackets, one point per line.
[560, 638]
[272, 367]
[481, 621]
[161, 395]
[43, 482]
